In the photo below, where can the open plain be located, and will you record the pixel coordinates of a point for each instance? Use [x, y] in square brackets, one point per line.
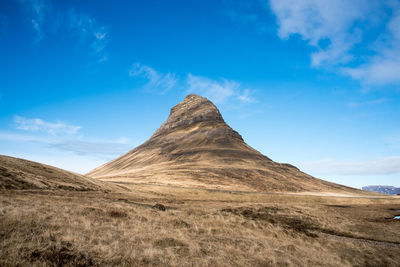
[58, 227]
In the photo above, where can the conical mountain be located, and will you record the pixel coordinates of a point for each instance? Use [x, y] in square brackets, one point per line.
[196, 148]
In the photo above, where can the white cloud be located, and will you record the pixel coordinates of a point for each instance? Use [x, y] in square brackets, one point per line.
[36, 10]
[384, 67]
[90, 32]
[344, 32]
[217, 91]
[380, 166]
[156, 81]
[323, 20]
[39, 125]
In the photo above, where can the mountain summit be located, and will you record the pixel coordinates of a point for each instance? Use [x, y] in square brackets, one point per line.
[196, 148]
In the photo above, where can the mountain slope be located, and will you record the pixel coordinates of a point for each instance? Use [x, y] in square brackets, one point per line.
[196, 148]
[18, 174]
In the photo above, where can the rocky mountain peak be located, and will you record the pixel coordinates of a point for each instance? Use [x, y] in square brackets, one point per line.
[196, 148]
[192, 110]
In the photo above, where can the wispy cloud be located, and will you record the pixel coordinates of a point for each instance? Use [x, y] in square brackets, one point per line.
[156, 81]
[384, 165]
[372, 102]
[219, 91]
[39, 125]
[99, 148]
[63, 136]
[87, 29]
[90, 33]
[36, 12]
[344, 32]
[384, 67]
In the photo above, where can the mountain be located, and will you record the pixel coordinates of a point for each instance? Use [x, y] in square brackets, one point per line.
[196, 148]
[20, 174]
[384, 189]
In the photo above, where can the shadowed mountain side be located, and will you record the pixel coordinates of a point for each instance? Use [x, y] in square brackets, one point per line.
[196, 148]
[18, 173]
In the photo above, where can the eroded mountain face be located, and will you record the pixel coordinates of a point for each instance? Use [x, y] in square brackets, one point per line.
[196, 122]
[196, 148]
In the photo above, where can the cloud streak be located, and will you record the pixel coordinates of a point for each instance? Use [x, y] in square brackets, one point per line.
[63, 136]
[37, 11]
[89, 32]
[39, 125]
[219, 91]
[380, 166]
[99, 148]
[156, 81]
[373, 102]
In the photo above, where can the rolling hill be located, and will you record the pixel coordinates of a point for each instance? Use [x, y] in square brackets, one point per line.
[17, 174]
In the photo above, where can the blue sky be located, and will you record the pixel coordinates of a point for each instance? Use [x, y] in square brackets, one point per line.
[313, 83]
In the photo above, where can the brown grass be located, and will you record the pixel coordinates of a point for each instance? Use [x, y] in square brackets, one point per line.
[18, 174]
[198, 227]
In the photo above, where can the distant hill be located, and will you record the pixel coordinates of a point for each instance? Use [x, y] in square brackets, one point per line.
[19, 174]
[384, 189]
[196, 148]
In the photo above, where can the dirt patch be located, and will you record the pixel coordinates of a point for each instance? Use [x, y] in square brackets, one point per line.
[117, 214]
[180, 223]
[269, 214]
[178, 246]
[61, 255]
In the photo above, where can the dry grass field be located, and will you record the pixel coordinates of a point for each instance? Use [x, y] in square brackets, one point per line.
[198, 227]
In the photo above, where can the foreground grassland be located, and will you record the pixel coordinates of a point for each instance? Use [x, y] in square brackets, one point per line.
[198, 227]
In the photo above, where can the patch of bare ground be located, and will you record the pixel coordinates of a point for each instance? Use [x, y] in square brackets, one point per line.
[197, 227]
